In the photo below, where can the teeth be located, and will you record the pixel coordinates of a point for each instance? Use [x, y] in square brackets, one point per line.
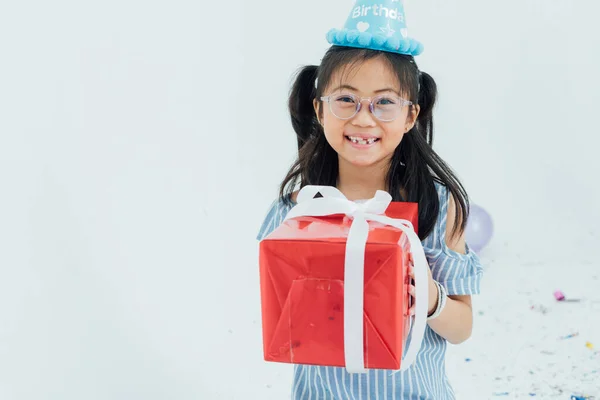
[358, 140]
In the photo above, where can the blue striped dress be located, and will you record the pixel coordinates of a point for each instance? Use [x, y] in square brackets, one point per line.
[459, 273]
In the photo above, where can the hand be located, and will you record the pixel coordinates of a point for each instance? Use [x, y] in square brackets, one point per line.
[433, 290]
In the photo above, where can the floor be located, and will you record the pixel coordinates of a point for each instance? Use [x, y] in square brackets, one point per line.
[527, 344]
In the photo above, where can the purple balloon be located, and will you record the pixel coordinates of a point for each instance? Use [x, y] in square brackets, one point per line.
[480, 228]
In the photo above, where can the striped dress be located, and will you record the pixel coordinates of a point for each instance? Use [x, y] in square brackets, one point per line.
[459, 273]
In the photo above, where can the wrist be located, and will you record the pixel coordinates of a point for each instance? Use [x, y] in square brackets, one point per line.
[433, 298]
[440, 303]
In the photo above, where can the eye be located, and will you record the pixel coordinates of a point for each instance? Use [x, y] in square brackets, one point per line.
[386, 101]
[345, 99]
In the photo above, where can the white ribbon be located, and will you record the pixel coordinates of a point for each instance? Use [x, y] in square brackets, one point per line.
[334, 202]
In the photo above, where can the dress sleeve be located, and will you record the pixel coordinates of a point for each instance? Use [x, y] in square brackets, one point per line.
[459, 273]
[273, 219]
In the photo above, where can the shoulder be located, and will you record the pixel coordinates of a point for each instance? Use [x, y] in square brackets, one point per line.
[455, 238]
[275, 215]
[452, 262]
[450, 238]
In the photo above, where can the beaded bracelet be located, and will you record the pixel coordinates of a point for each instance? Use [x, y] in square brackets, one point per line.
[441, 303]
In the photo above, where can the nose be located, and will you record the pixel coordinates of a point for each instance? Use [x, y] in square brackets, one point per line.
[364, 117]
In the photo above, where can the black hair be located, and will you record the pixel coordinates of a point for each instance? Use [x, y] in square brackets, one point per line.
[414, 165]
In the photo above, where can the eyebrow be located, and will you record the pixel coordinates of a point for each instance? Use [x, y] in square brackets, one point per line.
[356, 90]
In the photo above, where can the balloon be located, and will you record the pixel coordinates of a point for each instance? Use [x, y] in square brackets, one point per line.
[479, 228]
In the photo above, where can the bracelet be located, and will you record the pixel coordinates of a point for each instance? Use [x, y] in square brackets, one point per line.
[441, 303]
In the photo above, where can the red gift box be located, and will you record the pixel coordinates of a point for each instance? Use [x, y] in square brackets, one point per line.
[302, 266]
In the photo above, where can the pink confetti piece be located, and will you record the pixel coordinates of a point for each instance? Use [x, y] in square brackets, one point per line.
[558, 295]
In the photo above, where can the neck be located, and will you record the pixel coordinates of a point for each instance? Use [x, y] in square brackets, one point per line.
[358, 183]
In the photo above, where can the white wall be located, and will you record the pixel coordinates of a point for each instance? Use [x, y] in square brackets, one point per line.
[141, 143]
[518, 92]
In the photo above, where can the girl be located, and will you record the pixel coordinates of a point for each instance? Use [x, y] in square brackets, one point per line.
[363, 121]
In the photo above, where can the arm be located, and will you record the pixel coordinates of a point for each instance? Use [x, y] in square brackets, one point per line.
[455, 323]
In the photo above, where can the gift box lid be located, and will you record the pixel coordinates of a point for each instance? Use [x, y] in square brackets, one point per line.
[334, 228]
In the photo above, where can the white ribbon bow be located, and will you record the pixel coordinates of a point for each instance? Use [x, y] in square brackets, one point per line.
[334, 202]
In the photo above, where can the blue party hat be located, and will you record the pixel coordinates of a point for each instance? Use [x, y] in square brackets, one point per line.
[376, 25]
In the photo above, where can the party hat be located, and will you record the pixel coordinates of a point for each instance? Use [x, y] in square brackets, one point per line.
[376, 25]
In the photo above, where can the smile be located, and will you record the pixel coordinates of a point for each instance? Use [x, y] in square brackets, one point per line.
[362, 141]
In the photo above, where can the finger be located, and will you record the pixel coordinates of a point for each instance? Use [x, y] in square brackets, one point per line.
[411, 311]
[411, 272]
[411, 290]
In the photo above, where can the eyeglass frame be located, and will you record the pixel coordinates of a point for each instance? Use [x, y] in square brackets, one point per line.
[402, 103]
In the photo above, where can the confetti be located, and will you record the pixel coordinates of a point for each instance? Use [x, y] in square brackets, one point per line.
[572, 335]
[536, 335]
[558, 295]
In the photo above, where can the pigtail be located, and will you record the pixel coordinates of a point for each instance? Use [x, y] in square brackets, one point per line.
[317, 161]
[302, 113]
[422, 161]
[427, 99]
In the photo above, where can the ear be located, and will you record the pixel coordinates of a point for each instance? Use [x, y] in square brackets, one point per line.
[411, 118]
[317, 107]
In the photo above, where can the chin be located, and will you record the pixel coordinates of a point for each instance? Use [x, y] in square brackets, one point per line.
[361, 161]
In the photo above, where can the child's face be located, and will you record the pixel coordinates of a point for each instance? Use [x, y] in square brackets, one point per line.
[364, 140]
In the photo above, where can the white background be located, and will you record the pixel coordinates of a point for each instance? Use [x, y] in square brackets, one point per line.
[142, 142]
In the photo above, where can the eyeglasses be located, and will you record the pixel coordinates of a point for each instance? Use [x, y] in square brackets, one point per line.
[385, 108]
